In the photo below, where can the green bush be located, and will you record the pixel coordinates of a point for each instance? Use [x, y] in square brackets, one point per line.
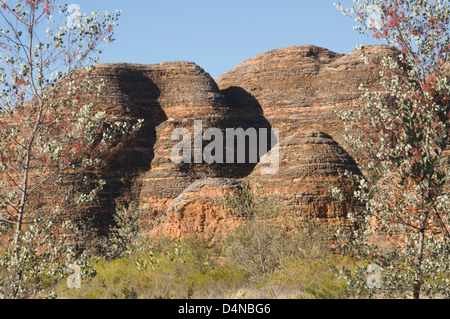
[283, 256]
[163, 270]
[267, 257]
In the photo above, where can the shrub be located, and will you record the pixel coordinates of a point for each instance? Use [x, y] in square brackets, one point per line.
[278, 251]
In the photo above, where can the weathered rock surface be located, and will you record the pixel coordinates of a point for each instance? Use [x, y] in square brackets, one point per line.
[297, 87]
[167, 96]
[198, 209]
[293, 89]
[308, 162]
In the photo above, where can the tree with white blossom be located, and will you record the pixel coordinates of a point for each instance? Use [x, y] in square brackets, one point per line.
[400, 134]
[50, 128]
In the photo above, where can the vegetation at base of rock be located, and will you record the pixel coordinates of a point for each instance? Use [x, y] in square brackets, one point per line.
[191, 269]
[274, 248]
[46, 251]
[296, 260]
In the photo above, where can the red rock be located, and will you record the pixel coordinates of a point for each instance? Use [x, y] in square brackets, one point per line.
[308, 162]
[293, 89]
[297, 87]
[198, 210]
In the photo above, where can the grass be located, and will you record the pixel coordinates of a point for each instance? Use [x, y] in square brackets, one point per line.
[261, 259]
[166, 270]
[170, 269]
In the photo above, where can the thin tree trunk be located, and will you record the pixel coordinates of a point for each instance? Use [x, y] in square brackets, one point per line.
[25, 179]
[21, 215]
[418, 284]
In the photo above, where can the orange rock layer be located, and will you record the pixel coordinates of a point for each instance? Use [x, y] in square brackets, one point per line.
[292, 89]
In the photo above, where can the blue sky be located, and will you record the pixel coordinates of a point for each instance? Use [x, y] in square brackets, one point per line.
[218, 35]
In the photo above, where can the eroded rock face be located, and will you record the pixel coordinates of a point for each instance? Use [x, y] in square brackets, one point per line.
[292, 89]
[167, 96]
[308, 162]
[297, 87]
[199, 209]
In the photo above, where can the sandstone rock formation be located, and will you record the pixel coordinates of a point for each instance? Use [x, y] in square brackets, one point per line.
[308, 162]
[167, 96]
[292, 89]
[297, 87]
[198, 209]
